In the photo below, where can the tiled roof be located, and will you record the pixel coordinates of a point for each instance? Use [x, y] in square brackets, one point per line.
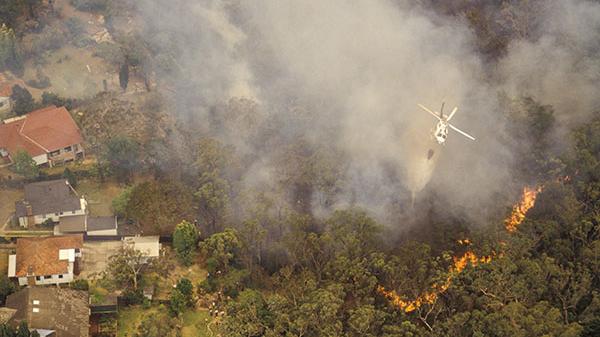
[66, 311]
[39, 256]
[41, 131]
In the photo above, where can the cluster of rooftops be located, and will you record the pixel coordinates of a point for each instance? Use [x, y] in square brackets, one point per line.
[42, 264]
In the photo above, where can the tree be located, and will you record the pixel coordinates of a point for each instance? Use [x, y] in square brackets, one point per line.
[157, 324]
[185, 238]
[119, 204]
[159, 205]
[125, 267]
[182, 297]
[124, 75]
[221, 249]
[6, 330]
[248, 316]
[213, 196]
[177, 302]
[50, 98]
[25, 165]
[80, 284]
[187, 290]
[122, 156]
[23, 330]
[24, 102]
[70, 176]
[10, 57]
[212, 162]
[7, 287]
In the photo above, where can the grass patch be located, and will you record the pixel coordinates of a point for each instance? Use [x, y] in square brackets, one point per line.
[98, 294]
[129, 319]
[195, 324]
[7, 202]
[195, 273]
[99, 195]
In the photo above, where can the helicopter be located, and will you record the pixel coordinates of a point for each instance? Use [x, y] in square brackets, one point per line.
[440, 133]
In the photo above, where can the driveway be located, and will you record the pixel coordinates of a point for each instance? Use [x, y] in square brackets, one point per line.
[95, 256]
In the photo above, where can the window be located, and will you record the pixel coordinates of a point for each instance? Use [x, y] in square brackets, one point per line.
[1, 104]
[61, 213]
[38, 278]
[61, 276]
[36, 309]
[67, 149]
[56, 214]
[48, 276]
[72, 212]
[36, 302]
[54, 153]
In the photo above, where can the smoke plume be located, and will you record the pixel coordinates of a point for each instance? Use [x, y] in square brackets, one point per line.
[348, 75]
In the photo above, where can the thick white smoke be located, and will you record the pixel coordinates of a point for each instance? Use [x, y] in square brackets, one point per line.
[357, 70]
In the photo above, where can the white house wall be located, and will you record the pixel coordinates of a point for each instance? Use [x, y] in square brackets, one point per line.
[106, 232]
[54, 279]
[38, 219]
[41, 159]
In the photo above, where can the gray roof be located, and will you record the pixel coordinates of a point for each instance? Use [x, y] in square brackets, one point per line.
[71, 224]
[46, 197]
[64, 310]
[99, 223]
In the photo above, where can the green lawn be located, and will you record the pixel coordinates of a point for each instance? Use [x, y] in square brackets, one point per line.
[195, 324]
[129, 318]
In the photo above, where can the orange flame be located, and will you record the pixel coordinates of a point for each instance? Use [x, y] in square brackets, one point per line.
[430, 297]
[460, 263]
[519, 210]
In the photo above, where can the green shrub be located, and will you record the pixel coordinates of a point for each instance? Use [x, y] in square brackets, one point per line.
[80, 284]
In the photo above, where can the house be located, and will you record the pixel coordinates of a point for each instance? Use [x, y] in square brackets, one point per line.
[46, 260]
[55, 312]
[44, 200]
[49, 135]
[86, 224]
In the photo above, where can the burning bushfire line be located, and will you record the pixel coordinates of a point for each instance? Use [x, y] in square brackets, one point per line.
[520, 210]
[460, 263]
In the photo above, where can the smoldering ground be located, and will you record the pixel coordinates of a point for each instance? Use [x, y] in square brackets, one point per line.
[347, 75]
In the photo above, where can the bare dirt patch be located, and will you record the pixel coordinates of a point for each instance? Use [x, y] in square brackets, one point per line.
[8, 197]
[75, 72]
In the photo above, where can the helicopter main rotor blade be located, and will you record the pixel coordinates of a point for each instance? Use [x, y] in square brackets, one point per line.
[431, 112]
[461, 132]
[442, 110]
[452, 113]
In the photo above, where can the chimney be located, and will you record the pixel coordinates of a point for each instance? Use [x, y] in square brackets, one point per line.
[28, 209]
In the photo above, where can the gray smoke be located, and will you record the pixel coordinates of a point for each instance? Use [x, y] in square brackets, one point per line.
[349, 75]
